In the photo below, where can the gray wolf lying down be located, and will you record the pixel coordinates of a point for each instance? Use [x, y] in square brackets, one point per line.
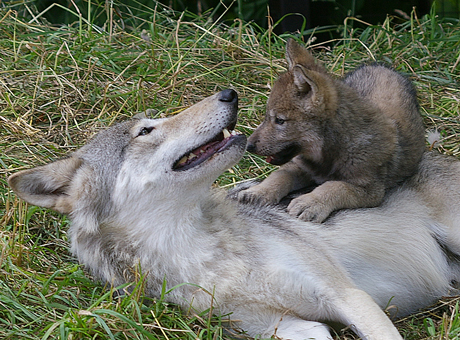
[140, 194]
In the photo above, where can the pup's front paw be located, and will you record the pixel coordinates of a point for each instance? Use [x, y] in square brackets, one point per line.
[309, 208]
[258, 194]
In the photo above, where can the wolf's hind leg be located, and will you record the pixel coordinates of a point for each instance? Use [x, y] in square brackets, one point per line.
[358, 310]
[299, 329]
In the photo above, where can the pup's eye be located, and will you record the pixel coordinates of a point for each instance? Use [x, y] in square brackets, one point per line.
[279, 121]
[145, 131]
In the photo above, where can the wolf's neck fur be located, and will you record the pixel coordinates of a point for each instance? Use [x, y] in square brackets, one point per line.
[173, 235]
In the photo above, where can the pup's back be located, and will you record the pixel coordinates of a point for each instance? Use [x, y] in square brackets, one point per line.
[395, 97]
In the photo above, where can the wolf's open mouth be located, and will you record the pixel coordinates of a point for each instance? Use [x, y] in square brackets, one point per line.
[202, 153]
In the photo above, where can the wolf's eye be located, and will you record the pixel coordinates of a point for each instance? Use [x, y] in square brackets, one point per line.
[145, 131]
[279, 121]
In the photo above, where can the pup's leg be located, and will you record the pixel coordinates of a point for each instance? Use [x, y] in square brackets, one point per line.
[277, 185]
[317, 205]
[299, 329]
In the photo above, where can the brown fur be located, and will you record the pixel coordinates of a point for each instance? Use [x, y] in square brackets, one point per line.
[355, 137]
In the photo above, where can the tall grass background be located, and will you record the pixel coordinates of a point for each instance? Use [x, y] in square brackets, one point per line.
[61, 84]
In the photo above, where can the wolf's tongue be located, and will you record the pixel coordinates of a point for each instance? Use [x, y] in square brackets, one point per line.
[269, 159]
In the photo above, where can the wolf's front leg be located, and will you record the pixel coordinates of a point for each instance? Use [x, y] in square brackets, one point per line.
[317, 205]
[277, 185]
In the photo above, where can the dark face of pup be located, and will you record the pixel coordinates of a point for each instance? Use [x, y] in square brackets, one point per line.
[277, 137]
[298, 109]
[300, 105]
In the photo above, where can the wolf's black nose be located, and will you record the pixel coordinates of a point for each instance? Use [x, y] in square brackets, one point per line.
[228, 95]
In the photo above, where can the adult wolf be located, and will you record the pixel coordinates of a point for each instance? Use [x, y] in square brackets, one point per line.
[354, 138]
[140, 194]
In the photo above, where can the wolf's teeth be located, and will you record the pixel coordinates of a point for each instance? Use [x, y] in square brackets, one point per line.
[192, 156]
[182, 160]
[226, 133]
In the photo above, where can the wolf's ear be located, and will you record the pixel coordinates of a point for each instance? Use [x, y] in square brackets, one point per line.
[303, 80]
[149, 113]
[298, 55]
[47, 186]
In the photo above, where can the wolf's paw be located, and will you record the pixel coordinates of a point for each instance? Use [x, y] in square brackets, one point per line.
[308, 208]
[257, 195]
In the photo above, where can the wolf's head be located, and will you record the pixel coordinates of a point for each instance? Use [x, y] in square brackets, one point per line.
[300, 103]
[150, 159]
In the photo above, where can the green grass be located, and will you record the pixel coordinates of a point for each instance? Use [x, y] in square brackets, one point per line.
[60, 85]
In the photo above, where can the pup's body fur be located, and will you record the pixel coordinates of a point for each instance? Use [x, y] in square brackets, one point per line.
[356, 138]
[136, 197]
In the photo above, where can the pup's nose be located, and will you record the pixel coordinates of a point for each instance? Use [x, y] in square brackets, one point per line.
[228, 95]
[251, 148]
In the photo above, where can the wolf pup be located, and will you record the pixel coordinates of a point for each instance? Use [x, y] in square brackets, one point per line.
[140, 194]
[354, 138]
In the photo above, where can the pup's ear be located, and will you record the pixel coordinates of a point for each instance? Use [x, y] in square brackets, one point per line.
[303, 80]
[48, 185]
[320, 88]
[298, 55]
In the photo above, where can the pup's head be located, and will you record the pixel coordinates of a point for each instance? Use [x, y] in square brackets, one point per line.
[300, 103]
[139, 160]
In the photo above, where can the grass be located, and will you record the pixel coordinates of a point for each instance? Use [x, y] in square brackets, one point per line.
[60, 85]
